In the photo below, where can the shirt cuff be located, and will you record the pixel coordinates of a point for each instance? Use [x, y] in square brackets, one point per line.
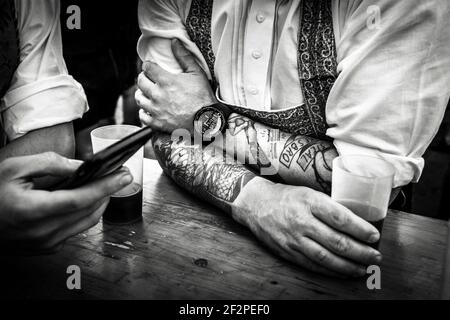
[42, 104]
[407, 169]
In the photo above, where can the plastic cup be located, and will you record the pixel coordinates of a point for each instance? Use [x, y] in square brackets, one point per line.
[125, 206]
[363, 184]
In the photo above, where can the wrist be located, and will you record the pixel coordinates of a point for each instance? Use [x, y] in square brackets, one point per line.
[247, 205]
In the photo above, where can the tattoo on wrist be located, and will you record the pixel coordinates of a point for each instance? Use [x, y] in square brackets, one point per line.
[238, 123]
[322, 168]
[309, 153]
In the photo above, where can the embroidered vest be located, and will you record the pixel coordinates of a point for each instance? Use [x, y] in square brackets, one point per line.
[9, 49]
[316, 61]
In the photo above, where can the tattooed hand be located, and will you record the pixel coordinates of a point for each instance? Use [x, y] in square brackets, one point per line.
[169, 101]
[307, 227]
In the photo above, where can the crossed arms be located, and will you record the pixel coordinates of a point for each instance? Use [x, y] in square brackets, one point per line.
[251, 171]
[220, 171]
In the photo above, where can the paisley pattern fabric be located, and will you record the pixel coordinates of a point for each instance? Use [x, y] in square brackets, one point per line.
[293, 120]
[316, 60]
[198, 25]
[316, 57]
[9, 44]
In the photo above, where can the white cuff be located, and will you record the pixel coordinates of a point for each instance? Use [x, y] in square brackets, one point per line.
[42, 104]
[407, 169]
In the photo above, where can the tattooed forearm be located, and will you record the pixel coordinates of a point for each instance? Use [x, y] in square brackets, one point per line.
[322, 167]
[206, 172]
[297, 159]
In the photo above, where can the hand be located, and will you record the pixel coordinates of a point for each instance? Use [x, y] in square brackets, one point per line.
[33, 220]
[307, 227]
[169, 101]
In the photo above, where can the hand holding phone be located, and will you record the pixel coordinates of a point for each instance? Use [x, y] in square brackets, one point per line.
[107, 160]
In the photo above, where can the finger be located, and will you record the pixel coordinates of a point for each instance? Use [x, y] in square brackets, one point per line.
[327, 259]
[43, 164]
[145, 117]
[145, 102]
[65, 201]
[339, 217]
[185, 58]
[150, 121]
[299, 258]
[155, 73]
[146, 87]
[343, 245]
[40, 231]
[78, 227]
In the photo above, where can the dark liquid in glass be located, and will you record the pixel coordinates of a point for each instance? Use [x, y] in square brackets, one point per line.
[125, 207]
[368, 213]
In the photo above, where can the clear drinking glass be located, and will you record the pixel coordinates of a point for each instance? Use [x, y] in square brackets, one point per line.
[363, 184]
[125, 206]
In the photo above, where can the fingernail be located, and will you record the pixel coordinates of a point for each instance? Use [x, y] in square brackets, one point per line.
[374, 238]
[124, 169]
[74, 161]
[126, 180]
[146, 63]
[378, 257]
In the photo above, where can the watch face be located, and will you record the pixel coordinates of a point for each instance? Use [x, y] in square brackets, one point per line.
[210, 121]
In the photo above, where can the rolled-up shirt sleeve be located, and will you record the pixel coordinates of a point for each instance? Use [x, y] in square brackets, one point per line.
[161, 21]
[42, 93]
[393, 84]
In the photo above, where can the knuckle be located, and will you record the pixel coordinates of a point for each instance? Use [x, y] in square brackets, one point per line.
[341, 244]
[313, 200]
[321, 255]
[157, 95]
[339, 219]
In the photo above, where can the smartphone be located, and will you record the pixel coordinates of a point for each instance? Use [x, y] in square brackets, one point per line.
[106, 161]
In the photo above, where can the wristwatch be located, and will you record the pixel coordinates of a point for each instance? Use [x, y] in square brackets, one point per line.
[210, 121]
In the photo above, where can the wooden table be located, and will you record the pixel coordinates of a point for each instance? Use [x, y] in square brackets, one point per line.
[186, 249]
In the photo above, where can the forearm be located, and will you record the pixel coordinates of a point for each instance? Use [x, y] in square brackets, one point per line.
[206, 172]
[59, 139]
[294, 159]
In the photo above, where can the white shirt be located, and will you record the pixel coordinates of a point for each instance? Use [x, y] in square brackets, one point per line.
[41, 93]
[393, 83]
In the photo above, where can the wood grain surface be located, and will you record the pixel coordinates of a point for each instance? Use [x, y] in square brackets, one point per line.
[186, 249]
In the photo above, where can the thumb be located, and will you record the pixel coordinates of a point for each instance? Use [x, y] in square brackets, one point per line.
[185, 58]
[44, 164]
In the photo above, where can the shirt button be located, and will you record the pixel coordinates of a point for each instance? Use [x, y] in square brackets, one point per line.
[260, 18]
[253, 91]
[256, 54]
